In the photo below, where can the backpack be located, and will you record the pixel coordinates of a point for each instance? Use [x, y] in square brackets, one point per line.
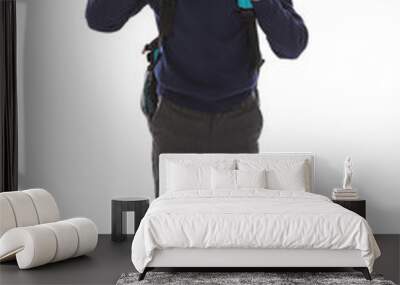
[149, 98]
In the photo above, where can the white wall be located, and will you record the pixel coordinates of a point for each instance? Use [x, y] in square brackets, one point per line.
[82, 135]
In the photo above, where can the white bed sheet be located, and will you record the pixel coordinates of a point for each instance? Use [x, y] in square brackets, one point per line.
[250, 218]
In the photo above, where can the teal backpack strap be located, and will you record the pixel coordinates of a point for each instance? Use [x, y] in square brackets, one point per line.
[245, 4]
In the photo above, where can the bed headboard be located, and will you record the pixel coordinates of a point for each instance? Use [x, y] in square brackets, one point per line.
[218, 156]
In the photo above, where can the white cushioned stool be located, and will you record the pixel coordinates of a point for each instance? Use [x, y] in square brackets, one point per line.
[31, 230]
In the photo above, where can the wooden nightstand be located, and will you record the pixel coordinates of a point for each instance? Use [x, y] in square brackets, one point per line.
[357, 206]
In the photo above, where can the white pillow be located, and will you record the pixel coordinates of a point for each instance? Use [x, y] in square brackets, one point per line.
[184, 175]
[285, 174]
[251, 179]
[226, 179]
[188, 177]
[223, 179]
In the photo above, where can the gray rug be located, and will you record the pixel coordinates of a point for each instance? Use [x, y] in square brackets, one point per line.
[244, 278]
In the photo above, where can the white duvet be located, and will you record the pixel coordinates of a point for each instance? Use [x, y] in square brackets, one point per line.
[251, 218]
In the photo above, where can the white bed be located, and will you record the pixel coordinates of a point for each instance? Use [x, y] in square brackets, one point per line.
[250, 227]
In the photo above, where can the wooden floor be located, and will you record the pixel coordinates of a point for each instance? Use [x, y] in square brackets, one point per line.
[110, 260]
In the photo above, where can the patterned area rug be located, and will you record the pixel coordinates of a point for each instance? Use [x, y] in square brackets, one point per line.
[253, 278]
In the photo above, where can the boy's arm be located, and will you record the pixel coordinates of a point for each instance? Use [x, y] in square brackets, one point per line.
[285, 29]
[111, 15]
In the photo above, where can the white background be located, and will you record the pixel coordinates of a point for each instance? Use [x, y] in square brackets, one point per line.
[83, 137]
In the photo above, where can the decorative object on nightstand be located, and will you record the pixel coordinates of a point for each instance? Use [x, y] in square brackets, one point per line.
[356, 206]
[346, 192]
[119, 207]
[347, 196]
[348, 173]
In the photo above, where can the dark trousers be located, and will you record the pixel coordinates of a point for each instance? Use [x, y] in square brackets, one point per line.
[176, 129]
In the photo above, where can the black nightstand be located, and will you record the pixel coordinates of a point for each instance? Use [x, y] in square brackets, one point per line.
[119, 207]
[357, 206]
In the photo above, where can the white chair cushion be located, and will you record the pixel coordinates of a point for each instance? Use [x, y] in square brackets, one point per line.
[7, 220]
[23, 208]
[87, 233]
[67, 239]
[45, 205]
[32, 246]
[27, 208]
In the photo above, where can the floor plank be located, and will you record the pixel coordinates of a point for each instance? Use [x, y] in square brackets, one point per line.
[389, 262]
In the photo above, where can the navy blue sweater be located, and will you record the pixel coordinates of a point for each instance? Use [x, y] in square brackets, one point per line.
[205, 62]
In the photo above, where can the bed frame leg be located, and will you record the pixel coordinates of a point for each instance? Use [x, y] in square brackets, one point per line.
[143, 274]
[365, 272]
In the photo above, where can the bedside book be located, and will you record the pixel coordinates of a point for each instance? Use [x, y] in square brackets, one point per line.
[345, 194]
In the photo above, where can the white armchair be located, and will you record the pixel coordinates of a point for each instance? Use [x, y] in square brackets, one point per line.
[32, 233]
